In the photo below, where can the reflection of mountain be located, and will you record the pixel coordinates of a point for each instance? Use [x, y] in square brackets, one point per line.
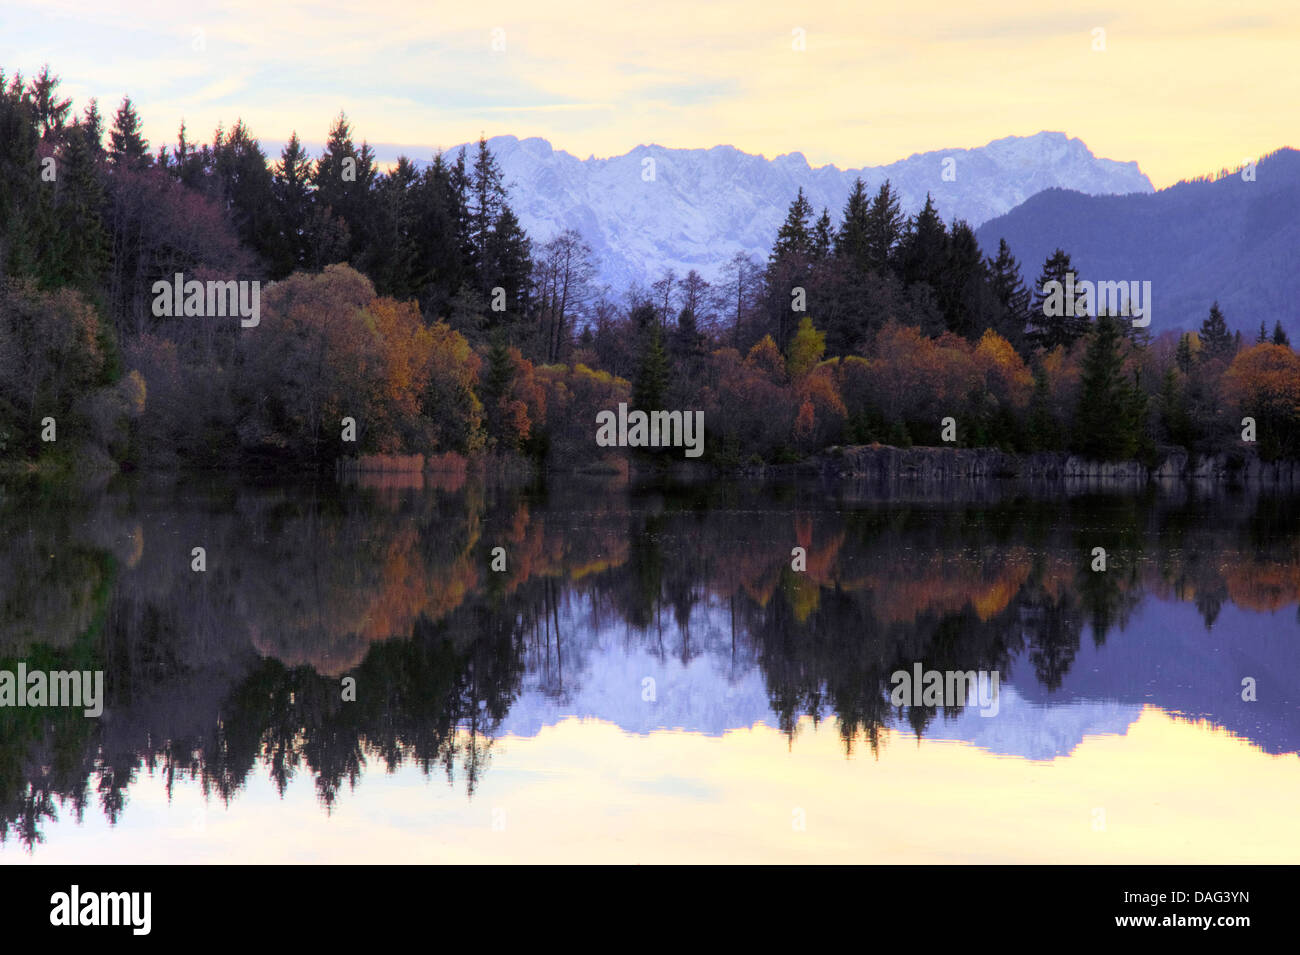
[714, 692]
[1168, 659]
[238, 669]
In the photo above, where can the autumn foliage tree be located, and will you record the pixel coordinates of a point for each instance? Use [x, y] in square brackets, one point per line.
[328, 348]
[1263, 382]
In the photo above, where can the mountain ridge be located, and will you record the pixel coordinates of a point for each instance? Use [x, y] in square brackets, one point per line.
[1228, 239]
[655, 208]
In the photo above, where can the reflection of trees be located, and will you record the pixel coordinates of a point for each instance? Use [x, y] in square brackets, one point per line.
[214, 675]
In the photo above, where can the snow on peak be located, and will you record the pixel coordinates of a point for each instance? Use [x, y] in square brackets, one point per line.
[655, 208]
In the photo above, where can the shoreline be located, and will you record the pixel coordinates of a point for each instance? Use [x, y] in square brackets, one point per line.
[929, 463]
[877, 462]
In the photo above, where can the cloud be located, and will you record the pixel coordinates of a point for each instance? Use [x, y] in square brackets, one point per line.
[871, 85]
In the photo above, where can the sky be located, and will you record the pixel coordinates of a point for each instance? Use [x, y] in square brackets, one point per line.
[1184, 87]
[586, 791]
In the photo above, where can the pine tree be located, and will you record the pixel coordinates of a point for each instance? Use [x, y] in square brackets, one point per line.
[965, 291]
[81, 213]
[884, 229]
[1279, 335]
[923, 249]
[244, 185]
[1048, 331]
[127, 149]
[394, 260]
[292, 190]
[1010, 294]
[1183, 356]
[92, 126]
[1215, 338]
[794, 238]
[790, 265]
[21, 233]
[852, 241]
[509, 256]
[651, 384]
[686, 344]
[822, 237]
[440, 263]
[1106, 424]
[343, 178]
[1262, 337]
[51, 111]
[188, 164]
[487, 197]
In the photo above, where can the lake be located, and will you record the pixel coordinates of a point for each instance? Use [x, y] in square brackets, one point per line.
[650, 678]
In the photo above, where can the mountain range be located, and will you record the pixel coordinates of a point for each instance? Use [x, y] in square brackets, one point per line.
[1234, 239]
[655, 208]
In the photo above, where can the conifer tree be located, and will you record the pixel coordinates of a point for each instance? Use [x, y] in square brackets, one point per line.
[487, 198]
[81, 213]
[496, 387]
[884, 229]
[92, 126]
[1107, 422]
[127, 149]
[1279, 335]
[651, 385]
[343, 178]
[1047, 331]
[21, 232]
[1215, 338]
[1010, 294]
[923, 249]
[965, 292]
[794, 238]
[51, 111]
[509, 256]
[822, 236]
[291, 188]
[852, 241]
[1043, 433]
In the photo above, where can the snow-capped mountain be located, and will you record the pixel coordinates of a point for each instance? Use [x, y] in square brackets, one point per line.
[654, 208]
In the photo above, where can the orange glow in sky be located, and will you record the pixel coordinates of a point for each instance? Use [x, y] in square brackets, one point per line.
[1183, 87]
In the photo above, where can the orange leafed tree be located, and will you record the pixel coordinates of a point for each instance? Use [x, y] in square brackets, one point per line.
[1264, 382]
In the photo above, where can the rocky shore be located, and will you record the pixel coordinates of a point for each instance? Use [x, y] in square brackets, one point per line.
[1173, 464]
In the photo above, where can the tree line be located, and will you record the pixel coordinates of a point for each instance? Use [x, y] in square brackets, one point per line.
[411, 300]
[216, 676]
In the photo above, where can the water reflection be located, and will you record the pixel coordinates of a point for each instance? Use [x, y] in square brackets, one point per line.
[648, 608]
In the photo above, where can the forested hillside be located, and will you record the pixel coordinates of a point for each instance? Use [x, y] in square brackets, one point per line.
[410, 301]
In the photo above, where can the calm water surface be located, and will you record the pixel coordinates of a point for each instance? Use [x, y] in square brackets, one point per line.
[649, 680]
